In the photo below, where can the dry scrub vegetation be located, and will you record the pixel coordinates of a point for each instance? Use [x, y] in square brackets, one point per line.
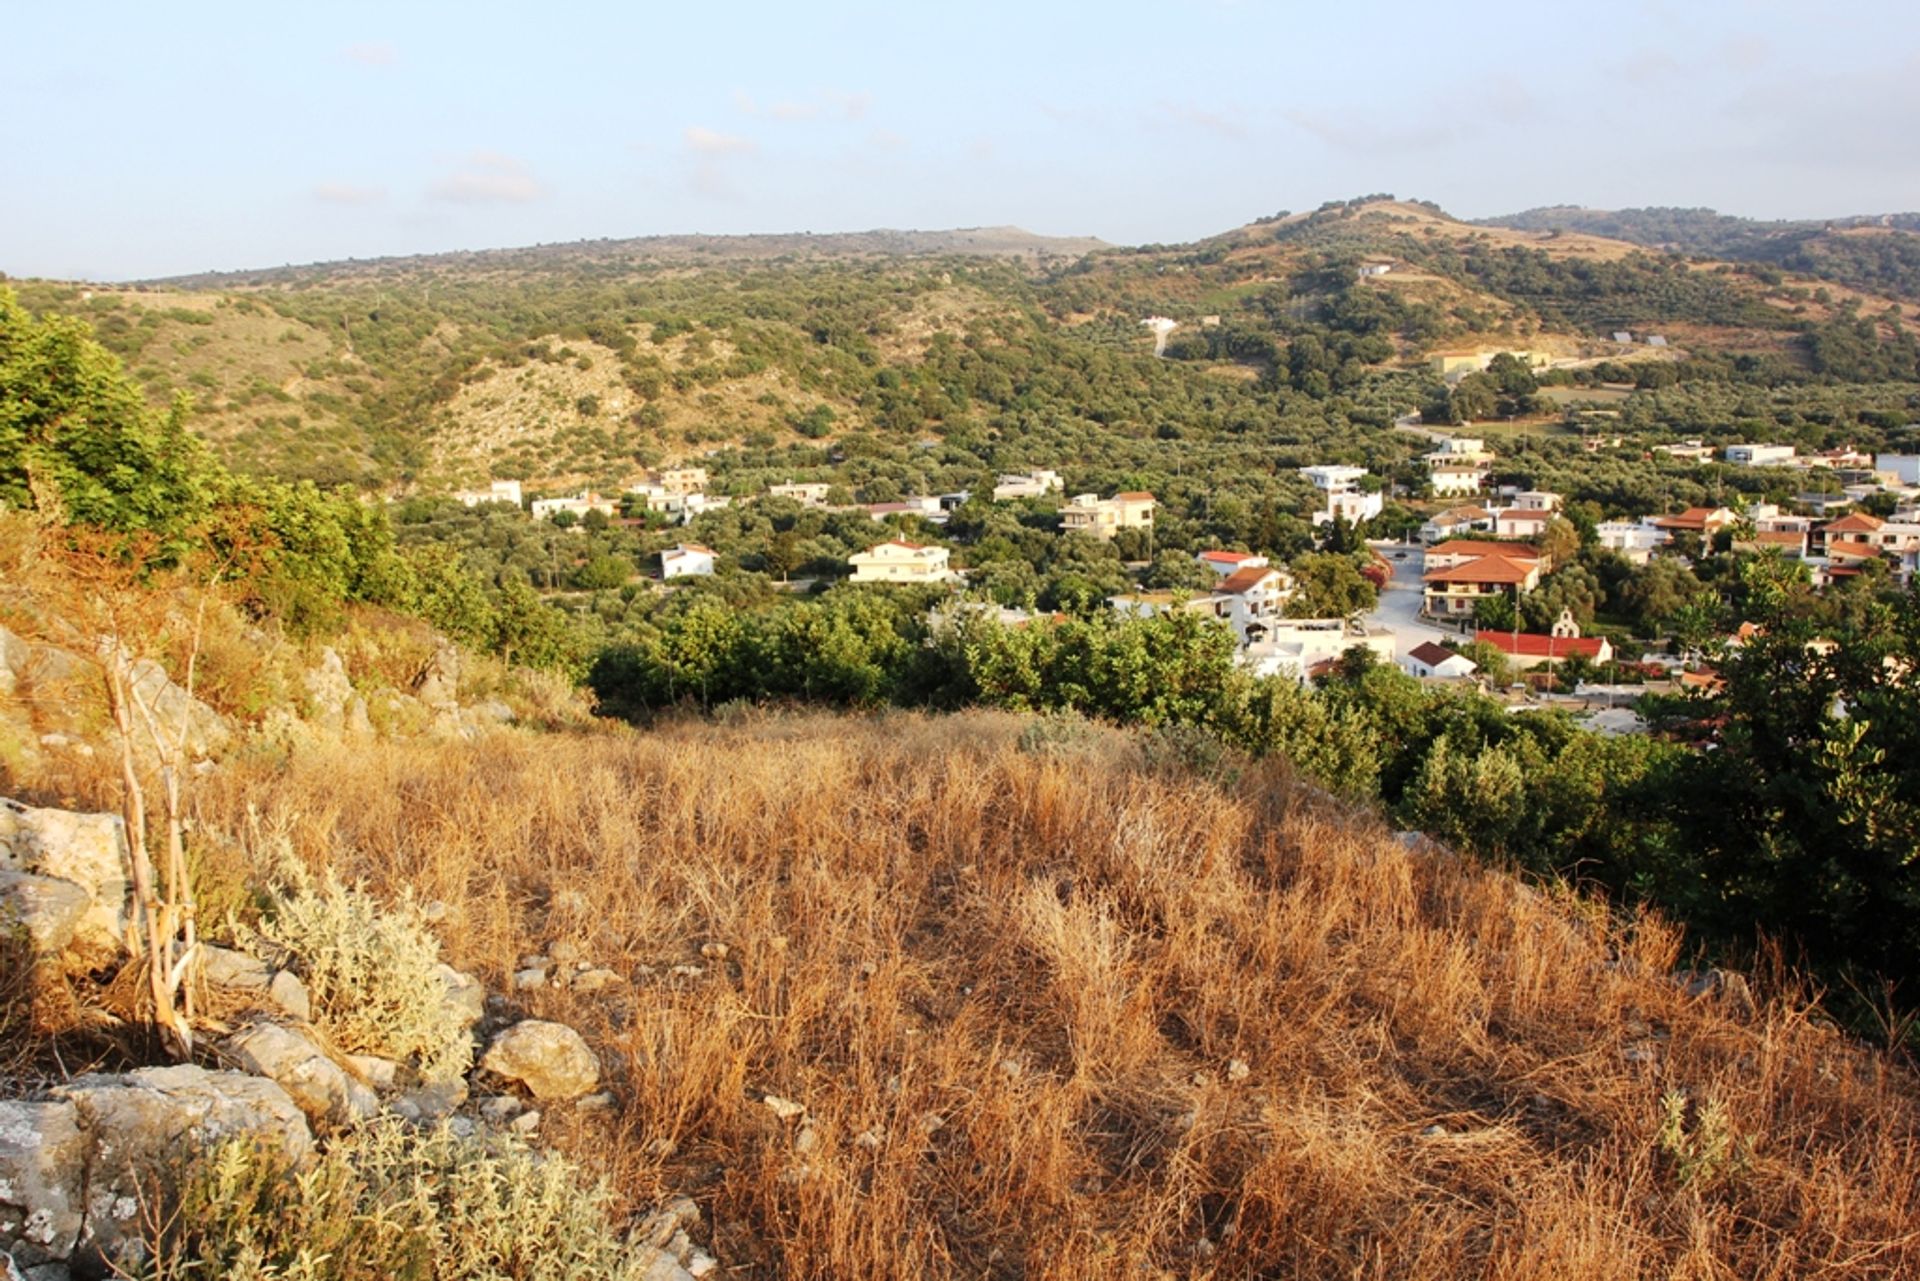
[1013, 977]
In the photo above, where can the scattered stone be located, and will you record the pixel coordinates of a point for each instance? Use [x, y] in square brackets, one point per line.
[290, 994]
[531, 979]
[714, 951]
[1237, 1070]
[47, 910]
[433, 910]
[931, 1123]
[88, 850]
[329, 691]
[465, 993]
[1434, 1132]
[430, 1102]
[462, 1127]
[567, 952]
[596, 980]
[601, 1102]
[551, 1059]
[224, 967]
[527, 1122]
[783, 1109]
[1729, 987]
[323, 1090]
[534, 961]
[807, 1140]
[382, 1074]
[43, 1165]
[501, 1108]
[685, 972]
[868, 1140]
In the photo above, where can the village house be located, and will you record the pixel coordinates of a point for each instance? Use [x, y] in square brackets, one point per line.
[1345, 499]
[1223, 563]
[1454, 522]
[1692, 450]
[1528, 650]
[1459, 451]
[682, 480]
[500, 491]
[1702, 521]
[686, 560]
[1536, 500]
[1521, 522]
[901, 562]
[579, 505]
[1635, 540]
[1034, 484]
[1431, 661]
[928, 508]
[1824, 504]
[1759, 455]
[806, 493]
[1300, 648]
[1450, 482]
[1251, 598]
[1460, 574]
[1105, 517]
[1460, 551]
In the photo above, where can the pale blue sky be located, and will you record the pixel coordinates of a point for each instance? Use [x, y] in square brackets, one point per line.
[149, 139]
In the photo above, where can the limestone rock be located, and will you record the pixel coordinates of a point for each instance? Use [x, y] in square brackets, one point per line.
[382, 1074]
[329, 691]
[43, 1160]
[431, 1101]
[208, 732]
[322, 1089]
[225, 968]
[465, 993]
[551, 1059]
[13, 660]
[47, 910]
[290, 994]
[90, 850]
[141, 1122]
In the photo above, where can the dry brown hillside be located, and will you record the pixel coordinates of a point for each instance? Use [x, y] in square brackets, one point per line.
[1059, 1005]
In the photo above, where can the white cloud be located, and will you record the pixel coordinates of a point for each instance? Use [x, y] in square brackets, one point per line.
[887, 140]
[373, 53]
[828, 103]
[488, 178]
[344, 193]
[711, 142]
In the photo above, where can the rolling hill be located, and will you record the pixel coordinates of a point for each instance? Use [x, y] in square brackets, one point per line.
[579, 364]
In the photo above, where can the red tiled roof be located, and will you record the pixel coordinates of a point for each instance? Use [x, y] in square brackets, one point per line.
[1432, 653]
[1485, 569]
[1528, 514]
[1856, 523]
[1531, 645]
[1135, 496]
[1481, 547]
[1691, 518]
[1244, 580]
[1229, 558]
[1781, 537]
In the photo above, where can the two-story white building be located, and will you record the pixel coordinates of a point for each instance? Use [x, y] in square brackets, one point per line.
[1635, 540]
[1759, 455]
[806, 493]
[578, 505]
[1105, 517]
[901, 562]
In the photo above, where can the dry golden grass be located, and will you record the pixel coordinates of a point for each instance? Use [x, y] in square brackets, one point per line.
[1009, 987]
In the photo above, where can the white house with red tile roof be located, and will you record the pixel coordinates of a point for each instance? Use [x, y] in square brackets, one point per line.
[1251, 598]
[1225, 562]
[1705, 521]
[1530, 649]
[687, 559]
[901, 562]
[1458, 551]
[1453, 590]
[1521, 522]
[1433, 661]
[1455, 521]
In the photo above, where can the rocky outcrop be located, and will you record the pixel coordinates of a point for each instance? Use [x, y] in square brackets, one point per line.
[88, 851]
[44, 909]
[76, 1168]
[551, 1059]
[43, 1160]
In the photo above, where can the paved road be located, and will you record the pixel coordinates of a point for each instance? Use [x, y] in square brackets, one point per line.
[1410, 423]
[1399, 608]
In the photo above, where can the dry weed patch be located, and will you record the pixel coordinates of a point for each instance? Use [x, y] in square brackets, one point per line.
[1087, 1013]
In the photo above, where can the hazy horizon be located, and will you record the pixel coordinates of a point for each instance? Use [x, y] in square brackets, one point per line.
[235, 139]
